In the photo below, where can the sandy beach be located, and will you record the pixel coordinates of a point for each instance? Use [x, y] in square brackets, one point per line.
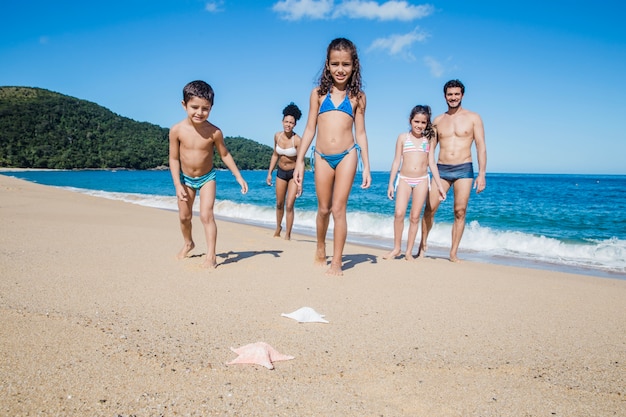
[98, 318]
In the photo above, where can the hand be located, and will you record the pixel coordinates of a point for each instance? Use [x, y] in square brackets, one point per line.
[268, 180]
[442, 195]
[298, 177]
[181, 193]
[367, 180]
[480, 184]
[390, 192]
[298, 174]
[244, 185]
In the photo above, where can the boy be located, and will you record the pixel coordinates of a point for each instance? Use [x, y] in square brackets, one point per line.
[192, 142]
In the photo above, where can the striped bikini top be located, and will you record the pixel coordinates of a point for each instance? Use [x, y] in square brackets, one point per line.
[409, 145]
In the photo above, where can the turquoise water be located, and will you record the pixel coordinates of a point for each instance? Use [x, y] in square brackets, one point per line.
[573, 223]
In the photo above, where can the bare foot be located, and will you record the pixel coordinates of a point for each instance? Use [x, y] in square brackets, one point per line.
[453, 258]
[209, 263]
[320, 256]
[421, 253]
[409, 256]
[334, 270]
[277, 232]
[187, 247]
[390, 255]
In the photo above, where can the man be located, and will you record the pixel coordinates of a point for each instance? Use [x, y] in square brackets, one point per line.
[457, 129]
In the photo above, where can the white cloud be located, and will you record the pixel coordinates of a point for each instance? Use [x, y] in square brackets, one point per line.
[399, 44]
[389, 10]
[439, 68]
[352, 9]
[298, 9]
[436, 67]
[214, 6]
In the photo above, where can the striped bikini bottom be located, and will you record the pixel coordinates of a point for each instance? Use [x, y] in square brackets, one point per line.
[412, 182]
[197, 182]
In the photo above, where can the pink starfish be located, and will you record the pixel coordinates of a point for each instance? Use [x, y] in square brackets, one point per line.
[259, 353]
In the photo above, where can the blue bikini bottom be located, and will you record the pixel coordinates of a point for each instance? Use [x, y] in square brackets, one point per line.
[335, 159]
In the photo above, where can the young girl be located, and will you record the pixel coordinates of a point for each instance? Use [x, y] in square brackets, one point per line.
[412, 159]
[337, 106]
[286, 145]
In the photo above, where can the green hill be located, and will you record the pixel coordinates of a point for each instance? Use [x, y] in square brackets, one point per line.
[247, 153]
[44, 129]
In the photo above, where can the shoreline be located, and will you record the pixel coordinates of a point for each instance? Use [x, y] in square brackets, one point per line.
[437, 252]
[98, 318]
[581, 257]
[165, 168]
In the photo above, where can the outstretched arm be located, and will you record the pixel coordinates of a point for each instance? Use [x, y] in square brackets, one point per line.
[395, 166]
[273, 162]
[174, 158]
[361, 139]
[434, 169]
[228, 160]
[307, 139]
[481, 154]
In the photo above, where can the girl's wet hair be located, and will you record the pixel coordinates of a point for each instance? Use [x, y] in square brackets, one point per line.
[199, 89]
[429, 132]
[292, 110]
[354, 82]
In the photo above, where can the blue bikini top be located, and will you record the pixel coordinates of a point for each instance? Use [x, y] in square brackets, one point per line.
[345, 106]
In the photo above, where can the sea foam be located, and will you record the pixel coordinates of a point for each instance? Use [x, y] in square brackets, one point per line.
[377, 230]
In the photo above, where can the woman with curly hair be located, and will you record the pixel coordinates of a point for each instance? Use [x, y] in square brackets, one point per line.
[286, 143]
[337, 115]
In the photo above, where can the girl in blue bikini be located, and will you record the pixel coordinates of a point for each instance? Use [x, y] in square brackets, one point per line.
[409, 170]
[286, 144]
[337, 113]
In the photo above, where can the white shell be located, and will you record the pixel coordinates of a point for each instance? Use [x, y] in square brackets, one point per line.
[306, 315]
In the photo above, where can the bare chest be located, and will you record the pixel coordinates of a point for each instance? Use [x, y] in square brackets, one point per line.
[455, 128]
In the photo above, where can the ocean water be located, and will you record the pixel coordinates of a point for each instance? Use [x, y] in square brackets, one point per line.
[571, 223]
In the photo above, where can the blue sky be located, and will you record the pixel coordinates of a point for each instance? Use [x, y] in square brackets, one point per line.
[547, 77]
